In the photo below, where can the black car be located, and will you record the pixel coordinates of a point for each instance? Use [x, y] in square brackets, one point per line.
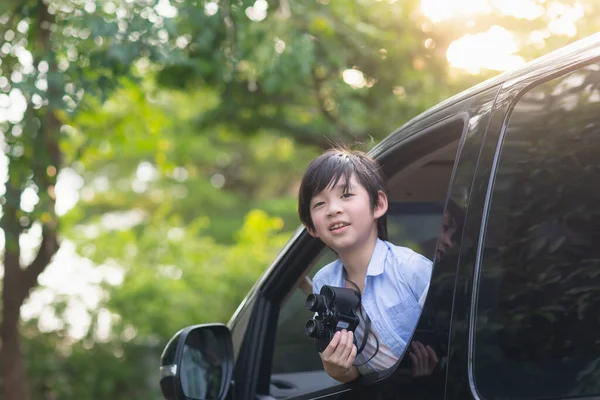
[513, 308]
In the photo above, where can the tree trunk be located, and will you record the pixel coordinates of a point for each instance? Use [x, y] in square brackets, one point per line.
[17, 284]
[14, 386]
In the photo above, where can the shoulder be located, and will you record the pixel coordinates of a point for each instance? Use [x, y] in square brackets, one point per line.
[405, 255]
[326, 275]
[407, 258]
[408, 266]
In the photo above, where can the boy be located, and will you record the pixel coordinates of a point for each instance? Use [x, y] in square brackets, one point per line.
[343, 201]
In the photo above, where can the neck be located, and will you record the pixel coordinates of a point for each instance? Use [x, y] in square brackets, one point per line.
[356, 260]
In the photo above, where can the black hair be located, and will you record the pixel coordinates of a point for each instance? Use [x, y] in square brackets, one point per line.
[456, 214]
[326, 171]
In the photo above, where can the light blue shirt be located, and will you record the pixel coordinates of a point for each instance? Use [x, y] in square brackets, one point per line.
[396, 283]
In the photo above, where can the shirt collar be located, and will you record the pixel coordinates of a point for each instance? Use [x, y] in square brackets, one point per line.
[377, 263]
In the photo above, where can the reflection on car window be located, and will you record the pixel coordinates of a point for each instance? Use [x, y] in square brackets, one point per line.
[537, 316]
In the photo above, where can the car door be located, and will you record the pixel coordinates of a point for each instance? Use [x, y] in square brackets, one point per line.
[528, 281]
[427, 163]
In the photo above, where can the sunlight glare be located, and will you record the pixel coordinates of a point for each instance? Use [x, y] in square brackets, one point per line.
[492, 50]
[211, 8]
[526, 9]
[354, 78]
[68, 185]
[496, 48]
[165, 9]
[258, 11]
[70, 275]
[441, 10]
[564, 18]
[12, 106]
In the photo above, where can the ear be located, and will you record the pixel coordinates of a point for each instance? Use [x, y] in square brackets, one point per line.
[311, 232]
[382, 205]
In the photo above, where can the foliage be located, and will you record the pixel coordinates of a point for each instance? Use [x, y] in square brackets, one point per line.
[175, 277]
[283, 70]
[54, 54]
[190, 133]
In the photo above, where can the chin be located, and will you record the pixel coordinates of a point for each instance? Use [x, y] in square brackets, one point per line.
[343, 245]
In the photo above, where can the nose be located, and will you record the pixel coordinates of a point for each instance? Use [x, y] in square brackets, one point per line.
[446, 240]
[333, 208]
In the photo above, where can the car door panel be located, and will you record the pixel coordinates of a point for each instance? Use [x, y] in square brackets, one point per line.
[460, 382]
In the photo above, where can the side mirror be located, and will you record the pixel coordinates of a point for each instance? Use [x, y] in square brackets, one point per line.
[197, 363]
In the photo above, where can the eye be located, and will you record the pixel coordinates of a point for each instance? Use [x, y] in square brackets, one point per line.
[318, 204]
[347, 194]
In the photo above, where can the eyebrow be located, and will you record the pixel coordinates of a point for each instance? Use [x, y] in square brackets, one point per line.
[341, 185]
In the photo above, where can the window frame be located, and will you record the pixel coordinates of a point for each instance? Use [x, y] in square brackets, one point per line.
[417, 142]
[517, 88]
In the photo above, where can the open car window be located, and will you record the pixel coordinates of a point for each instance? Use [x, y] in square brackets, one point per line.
[416, 203]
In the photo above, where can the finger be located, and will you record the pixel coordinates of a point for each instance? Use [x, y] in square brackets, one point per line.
[352, 356]
[422, 350]
[414, 366]
[341, 346]
[414, 346]
[347, 348]
[326, 354]
[421, 362]
[432, 354]
[433, 359]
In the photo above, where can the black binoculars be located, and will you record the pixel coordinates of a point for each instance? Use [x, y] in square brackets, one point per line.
[336, 308]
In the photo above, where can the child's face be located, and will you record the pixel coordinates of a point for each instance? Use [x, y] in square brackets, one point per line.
[345, 220]
[445, 238]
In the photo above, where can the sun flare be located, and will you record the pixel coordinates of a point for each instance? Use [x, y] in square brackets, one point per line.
[497, 48]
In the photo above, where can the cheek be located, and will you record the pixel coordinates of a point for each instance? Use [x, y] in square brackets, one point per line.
[317, 218]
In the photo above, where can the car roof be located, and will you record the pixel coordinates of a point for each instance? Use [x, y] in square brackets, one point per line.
[552, 61]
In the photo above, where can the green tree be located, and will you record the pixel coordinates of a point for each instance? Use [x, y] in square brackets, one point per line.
[55, 56]
[282, 66]
[192, 153]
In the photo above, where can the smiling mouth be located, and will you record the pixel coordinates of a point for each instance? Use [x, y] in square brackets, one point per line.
[338, 226]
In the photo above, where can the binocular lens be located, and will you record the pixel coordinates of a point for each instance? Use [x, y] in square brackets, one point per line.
[314, 302]
[314, 328]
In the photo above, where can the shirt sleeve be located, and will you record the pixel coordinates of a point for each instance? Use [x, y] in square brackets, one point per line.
[315, 288]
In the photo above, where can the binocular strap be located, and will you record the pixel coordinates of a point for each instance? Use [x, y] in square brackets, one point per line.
[367, 330]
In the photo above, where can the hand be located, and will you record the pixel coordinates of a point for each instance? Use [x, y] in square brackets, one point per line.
[424, 359]
[339, 356]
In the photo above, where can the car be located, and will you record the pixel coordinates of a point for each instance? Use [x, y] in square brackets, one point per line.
[513, 307]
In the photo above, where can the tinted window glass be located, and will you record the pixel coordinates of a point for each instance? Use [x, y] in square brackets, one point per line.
[537, 318]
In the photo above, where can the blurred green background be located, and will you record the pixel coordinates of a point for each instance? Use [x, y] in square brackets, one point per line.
[152, 150]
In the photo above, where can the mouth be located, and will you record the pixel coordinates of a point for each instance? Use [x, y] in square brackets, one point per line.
[338, 226]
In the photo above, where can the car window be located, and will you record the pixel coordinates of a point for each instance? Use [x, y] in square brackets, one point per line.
[414, 225]
[414, 220]
[295, 359]
[294, 352]
[536, 321]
